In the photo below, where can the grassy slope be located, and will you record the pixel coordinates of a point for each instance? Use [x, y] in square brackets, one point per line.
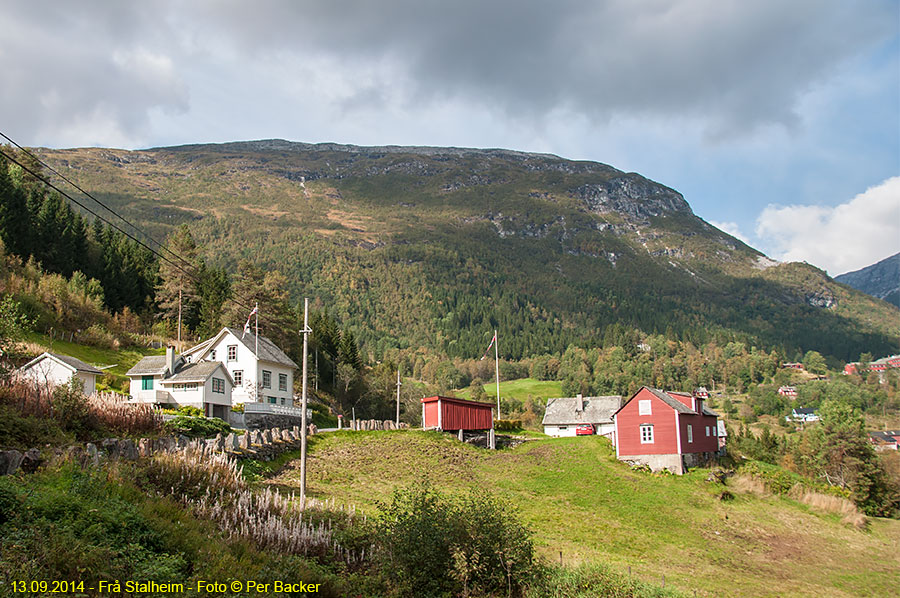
[122, 360]
[579, 500]
[520, 389]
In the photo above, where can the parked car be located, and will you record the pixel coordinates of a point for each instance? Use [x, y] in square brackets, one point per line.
[584, 430]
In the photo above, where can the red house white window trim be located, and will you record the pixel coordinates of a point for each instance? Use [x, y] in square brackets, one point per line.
[646, 433]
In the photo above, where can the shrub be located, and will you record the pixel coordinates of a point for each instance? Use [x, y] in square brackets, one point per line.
[434, 545]
[70, 408]
[189, 411]
[197, 427]
[508, 425]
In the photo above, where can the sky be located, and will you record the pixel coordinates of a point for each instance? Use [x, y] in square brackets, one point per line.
[778, 121]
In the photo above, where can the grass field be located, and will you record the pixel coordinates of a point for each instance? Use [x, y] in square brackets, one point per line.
[521, 389]
[581, 502]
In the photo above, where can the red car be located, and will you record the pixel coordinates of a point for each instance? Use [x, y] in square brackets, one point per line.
[584, 430]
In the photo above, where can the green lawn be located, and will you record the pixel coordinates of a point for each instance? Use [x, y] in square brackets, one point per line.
[580, 501]
[521, 389]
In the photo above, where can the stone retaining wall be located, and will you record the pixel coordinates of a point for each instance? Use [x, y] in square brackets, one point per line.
[263, 445]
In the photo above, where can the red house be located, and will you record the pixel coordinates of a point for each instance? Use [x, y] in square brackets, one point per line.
[449, 414]
[665, 430]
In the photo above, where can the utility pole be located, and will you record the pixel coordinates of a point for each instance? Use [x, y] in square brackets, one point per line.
[497, 370]
[398, 397]
[179, 318]
[306, 330]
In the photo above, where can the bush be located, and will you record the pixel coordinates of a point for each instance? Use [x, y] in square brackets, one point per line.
[434, 545]
[71, 409]
[189, 411]
[508, 425]
[197, 427]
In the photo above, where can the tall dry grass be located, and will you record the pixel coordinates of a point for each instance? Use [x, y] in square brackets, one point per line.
[827, 503]
[212, 484]
[107, 412]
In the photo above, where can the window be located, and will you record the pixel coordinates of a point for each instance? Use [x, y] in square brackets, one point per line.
[563, 428]
[690, 433]
[188, 386]
[232, 352]
[644, 407]
[647, 433]
[218, 385]
[707, 430]
[282, 381]
[212, 355]
[187, 358]
[146, 382]
[238, 377]
[272, 400]
[282, 400]
[267, 379]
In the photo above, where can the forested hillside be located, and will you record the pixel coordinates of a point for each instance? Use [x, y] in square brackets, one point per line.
[428, 247]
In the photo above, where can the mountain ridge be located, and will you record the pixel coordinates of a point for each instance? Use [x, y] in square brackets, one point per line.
[433, 248]
[880, 280]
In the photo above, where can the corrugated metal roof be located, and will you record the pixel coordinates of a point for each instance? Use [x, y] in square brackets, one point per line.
[567, 410]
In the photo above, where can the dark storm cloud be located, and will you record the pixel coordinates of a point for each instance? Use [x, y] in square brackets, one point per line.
[732, 65]
[738, 64]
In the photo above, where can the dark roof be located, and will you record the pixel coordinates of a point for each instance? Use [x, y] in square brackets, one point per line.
[72, 362]
[194, 372]
[587, 410]
[887, 436]
[671, 402]
[805, 411]
[268, 351]
[150, 365]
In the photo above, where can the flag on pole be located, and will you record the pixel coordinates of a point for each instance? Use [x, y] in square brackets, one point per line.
[486, 351]
[247, 325]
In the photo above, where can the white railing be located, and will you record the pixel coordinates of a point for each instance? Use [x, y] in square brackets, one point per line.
[275, 409]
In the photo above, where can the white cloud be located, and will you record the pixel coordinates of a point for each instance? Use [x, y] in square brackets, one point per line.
[846, 237]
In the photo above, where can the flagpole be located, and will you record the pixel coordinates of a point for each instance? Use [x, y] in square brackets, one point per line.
[398, 397]
[257, 330]
[303, 404]
[497, 370]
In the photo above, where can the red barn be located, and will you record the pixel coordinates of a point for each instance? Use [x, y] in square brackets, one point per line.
[665, 430]
[449, 414]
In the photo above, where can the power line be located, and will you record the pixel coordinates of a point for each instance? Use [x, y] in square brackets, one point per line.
[39, 176]
[107, 208]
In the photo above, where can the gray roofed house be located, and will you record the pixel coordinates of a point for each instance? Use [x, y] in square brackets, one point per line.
[564, 414]
[262, 372]
[171, 380]
[53, 369]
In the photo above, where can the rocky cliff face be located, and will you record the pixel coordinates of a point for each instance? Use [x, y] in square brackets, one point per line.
[633, 196]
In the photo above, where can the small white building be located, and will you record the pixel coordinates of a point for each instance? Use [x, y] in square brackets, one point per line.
[49, 370]
[263, 375]
[170, 380]
[564, 415]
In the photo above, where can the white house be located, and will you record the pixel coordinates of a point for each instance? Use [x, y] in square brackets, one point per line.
[564, 415]
[51, 369]
[170, 380]
[262, 375]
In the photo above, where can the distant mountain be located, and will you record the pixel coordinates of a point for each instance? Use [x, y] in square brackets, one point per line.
[880, 280]
[436, 247]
